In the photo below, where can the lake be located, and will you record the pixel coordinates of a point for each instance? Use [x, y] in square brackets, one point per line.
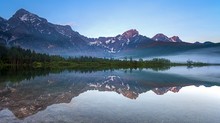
[172, 95]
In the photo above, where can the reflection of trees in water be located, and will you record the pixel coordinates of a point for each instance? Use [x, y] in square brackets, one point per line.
[17, 74]
[162, 68]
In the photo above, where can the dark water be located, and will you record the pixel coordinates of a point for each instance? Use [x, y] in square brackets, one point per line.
[175, 95]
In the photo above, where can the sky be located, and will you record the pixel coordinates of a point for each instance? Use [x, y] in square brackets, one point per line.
[191, 20]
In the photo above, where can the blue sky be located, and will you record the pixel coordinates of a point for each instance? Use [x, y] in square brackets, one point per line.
[192, 20]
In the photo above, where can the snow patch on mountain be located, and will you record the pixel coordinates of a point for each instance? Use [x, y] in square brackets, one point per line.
[108, 41]
[24, 17]
[112, 50]
[95, 43]
[30, 18]
[112, 78]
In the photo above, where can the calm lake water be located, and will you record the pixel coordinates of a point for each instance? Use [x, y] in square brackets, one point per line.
[174, 95]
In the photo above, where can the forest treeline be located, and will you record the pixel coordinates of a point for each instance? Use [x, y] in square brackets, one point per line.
[18, 56]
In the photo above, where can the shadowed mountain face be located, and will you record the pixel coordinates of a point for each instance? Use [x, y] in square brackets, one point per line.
[30, 31]
[33, 32]
[29, 92]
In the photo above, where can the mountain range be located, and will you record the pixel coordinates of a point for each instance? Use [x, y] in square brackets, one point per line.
[30, 31]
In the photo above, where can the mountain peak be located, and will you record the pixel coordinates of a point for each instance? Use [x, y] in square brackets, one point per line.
[26, 16]
[160, 34]
[21, 12]
[130, 33]
[164, 38]
[175, 39]
[161, 37]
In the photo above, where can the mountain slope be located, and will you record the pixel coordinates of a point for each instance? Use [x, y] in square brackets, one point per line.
[30, 31]
[33, 32]
[127, 40]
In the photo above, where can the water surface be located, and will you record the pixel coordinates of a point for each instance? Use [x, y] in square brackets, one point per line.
[179, 94]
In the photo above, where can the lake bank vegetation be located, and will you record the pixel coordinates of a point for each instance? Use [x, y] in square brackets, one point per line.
[16, 56]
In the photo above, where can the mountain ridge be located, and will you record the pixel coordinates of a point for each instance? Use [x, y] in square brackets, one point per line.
[164, 38]
[31, 31]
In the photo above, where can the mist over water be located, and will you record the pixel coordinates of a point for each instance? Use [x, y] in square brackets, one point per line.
[206, 55]
[193, 57]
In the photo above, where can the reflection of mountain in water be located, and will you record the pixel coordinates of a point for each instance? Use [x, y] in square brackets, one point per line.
[118, 85]
[161, 91]
[30, 96]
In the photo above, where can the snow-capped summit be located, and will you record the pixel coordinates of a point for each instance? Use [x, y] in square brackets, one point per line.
[175, 39]
[22, 12]
[130, 33]
[126, 40]
[163, 38]
[32, 23]
[25, 16]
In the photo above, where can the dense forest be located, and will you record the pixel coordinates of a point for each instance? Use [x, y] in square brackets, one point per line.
[19, 56]
[16, 56]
